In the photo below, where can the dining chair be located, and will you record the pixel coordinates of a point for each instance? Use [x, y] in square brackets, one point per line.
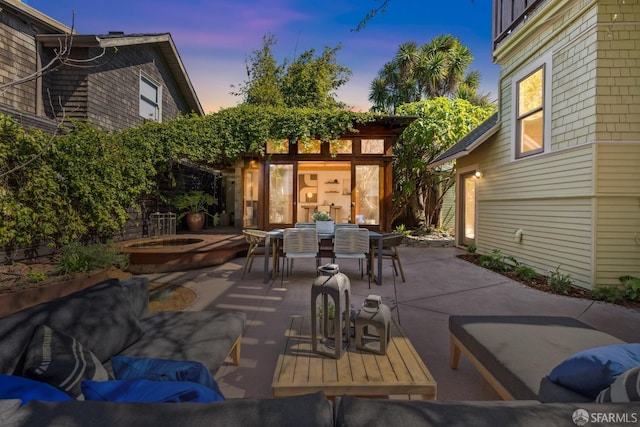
[346, 225]
[305, 225]
[298, 243]
[390, 243]
[256, 240]
[352, 243]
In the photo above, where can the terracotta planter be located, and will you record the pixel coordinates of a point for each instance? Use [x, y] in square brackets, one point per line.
[195, 221]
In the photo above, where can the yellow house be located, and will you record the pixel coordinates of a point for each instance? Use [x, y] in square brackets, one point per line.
[554, 178]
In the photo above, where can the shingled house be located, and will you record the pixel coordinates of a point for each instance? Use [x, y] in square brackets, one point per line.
[122, 81]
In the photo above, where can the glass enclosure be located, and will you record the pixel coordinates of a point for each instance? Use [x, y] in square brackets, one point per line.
[250, 215]
[281, 194]
[367, 197]
[468, 208]
[324, 185]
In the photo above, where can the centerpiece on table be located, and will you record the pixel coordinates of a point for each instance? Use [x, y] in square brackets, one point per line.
[324, 222]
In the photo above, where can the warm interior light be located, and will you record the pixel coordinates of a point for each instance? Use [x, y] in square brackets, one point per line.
[309, 195]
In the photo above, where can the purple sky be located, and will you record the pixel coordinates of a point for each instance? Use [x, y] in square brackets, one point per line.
[214, 37]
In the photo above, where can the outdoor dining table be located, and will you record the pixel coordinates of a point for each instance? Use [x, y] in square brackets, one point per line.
[275, 236]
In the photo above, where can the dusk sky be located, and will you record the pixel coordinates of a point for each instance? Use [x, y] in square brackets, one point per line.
[214, 37]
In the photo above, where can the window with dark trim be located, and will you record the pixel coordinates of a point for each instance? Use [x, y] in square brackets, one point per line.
[530, 114]
[150, 99]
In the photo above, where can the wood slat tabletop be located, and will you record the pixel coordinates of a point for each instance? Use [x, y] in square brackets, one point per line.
[401, 372]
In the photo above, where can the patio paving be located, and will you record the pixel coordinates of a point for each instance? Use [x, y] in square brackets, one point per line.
[438, 284]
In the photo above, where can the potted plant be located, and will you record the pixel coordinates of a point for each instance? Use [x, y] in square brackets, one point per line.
[194, 205]
[331, 314]
[324, 222]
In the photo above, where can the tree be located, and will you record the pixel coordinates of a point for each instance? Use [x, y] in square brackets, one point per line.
[307, 81]
[310, 81]
[264, 75]
[437, 68]
[418, 191]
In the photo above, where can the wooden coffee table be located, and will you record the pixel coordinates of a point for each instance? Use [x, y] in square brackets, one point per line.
[399, 373]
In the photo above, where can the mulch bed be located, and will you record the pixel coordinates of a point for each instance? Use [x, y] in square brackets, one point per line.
[540, 283]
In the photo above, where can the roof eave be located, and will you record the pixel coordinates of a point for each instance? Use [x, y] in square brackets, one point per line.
[163, 41]
[35, 14]
[479, 141]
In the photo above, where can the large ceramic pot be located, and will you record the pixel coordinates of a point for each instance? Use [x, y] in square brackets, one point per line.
[195, 221]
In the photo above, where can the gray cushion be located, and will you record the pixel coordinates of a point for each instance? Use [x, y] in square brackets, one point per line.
[7, 408]
[361, 412]
[520, 350]
[100, 317]
[137, 290]
[61, 361]
[202, 336]
[300, 411]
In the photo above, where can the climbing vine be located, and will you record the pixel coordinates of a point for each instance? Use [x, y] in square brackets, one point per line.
[82, 184]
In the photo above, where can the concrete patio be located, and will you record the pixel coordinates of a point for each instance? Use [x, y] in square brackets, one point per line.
[438, 284]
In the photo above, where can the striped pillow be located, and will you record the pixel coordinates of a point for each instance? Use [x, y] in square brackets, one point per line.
[626, 388]
[61, 361]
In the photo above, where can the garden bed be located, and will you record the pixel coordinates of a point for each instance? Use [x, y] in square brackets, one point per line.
[541, 283]
[24, 285]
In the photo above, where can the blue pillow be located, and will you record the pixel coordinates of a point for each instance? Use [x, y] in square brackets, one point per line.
[591, 371]
[25, 389]
[131, 368]
[147, 391]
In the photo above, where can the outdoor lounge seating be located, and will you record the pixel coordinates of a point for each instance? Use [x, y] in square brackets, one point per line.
[515, 354]
[111, 319]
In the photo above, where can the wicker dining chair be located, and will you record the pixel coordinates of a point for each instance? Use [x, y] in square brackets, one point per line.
[256, 240]
[390, 243]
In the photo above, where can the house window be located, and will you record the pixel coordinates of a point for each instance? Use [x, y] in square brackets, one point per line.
[341, 146]
[150, 99]
[372, 146]
[530, 114]
[310, 146]
[278, 146]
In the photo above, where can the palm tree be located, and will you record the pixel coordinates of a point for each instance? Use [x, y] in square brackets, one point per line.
[434, 69]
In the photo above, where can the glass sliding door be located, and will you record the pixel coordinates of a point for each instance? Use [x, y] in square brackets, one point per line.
[468, 208]
[250, 215]
[367, 194]
[280, 194]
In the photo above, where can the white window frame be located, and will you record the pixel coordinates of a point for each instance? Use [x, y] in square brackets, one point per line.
[145, 100]
[546, 64]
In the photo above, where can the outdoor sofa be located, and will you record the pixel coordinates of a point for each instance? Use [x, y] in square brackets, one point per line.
[77, 336]
[115, 314]
[313, 410]
[517, 354]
